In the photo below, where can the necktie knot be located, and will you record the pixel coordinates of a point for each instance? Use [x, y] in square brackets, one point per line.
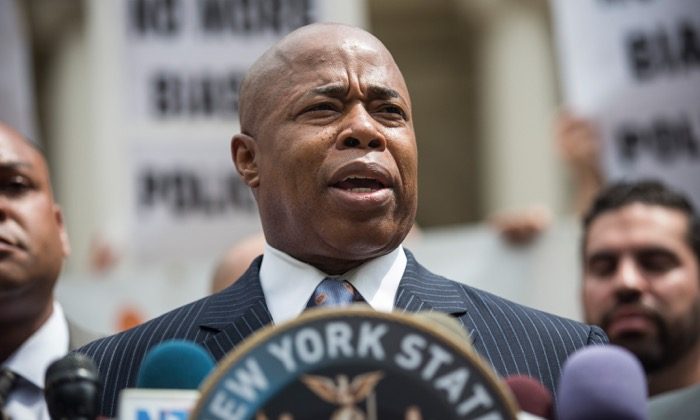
[334, 292]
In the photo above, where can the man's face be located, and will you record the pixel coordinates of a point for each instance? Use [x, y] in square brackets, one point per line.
[336, 156]
[641, 282]
[33, 242]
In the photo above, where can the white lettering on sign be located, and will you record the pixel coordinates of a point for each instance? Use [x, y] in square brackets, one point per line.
[247, 381]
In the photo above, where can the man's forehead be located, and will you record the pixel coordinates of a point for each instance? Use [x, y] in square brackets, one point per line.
[638, 225]
[314, 56]
[13, 145]
[321, 35]
[643, 215]
[331, 73]
[357, 53]
[17, 152]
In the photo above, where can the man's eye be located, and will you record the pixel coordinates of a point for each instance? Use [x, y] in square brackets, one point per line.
[15, 186]
[657, 262]
[393, 109]
[325, 106]
[602, 266]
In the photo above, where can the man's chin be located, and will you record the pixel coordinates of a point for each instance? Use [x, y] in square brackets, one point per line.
[339, 257]
[10, 286]
[364, 235]
[645, 348]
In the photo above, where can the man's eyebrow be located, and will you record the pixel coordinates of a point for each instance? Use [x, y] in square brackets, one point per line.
[334, 91]
[655, 249]
[602, 253]
[339, 91]
[14, 165]
[382, 92]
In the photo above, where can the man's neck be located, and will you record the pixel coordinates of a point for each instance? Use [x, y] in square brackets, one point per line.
[17, 331]
[684, 373]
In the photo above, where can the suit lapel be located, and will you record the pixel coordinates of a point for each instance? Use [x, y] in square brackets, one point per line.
[235, 313]
[238, 311]
[421, 290]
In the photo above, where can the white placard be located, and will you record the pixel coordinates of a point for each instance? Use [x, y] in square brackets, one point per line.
[189, 200]
[183, 62]
[185, 58]
[156, 404]
[633, 67]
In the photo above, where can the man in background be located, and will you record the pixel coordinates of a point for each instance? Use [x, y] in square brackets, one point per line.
[235, 261]
[641, 279]
[33, 245]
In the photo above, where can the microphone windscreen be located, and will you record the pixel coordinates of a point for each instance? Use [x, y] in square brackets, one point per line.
[532, 396]
[174, 364]
[72, 387]
[602, 382]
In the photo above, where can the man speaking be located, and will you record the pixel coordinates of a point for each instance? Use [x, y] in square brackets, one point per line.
[327, 146]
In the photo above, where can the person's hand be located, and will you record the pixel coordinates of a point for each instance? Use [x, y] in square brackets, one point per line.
[579, 146]
[103, 256]
[578, 142]
[521, 227]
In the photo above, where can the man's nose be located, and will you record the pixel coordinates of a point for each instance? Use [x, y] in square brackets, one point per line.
[361, 131]
[630, 282]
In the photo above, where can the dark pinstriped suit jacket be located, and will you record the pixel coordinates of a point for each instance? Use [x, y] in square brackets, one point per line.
[514, 338]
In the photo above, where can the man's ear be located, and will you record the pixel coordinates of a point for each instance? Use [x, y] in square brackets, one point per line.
[244, 150]
[63, 234]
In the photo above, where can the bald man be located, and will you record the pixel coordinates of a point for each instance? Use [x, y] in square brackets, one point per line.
[235, 261]
[328, 149]
[33, 245]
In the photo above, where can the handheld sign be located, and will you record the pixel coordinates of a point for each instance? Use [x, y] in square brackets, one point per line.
[354, 363]
[633, 69]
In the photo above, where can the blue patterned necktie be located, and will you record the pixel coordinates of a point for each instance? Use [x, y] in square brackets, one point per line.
[7, 381]
[332, 292]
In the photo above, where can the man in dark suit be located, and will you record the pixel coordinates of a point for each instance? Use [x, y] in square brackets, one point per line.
[33, 245]
[328, 148]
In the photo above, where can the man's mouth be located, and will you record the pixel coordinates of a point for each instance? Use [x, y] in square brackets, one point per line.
[7, 245]
[358, 184]
[4, 240]
[628, 321]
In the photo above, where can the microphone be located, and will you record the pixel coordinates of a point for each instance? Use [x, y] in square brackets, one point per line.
[532, 396]
[174, 364]
[604, 383]
[72, 388]
[167, 382]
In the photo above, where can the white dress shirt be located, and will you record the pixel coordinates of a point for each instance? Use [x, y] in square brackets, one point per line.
[30, 360]
[289, 283]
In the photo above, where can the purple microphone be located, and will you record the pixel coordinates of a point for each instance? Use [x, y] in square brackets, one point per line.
[602, 383]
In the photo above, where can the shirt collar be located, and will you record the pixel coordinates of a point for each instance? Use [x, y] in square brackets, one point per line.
[48, 343]
[288, 283]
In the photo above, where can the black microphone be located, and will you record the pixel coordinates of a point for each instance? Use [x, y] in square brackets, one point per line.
[72, 388]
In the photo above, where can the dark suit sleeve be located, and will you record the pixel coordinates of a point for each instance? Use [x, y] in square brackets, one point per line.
[217, 322]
